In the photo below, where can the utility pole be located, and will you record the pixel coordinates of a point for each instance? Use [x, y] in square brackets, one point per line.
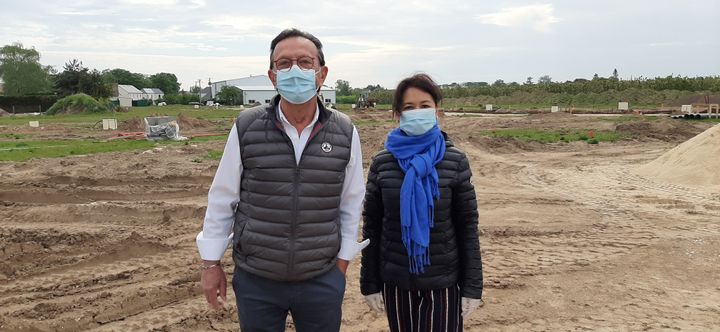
[199, 90]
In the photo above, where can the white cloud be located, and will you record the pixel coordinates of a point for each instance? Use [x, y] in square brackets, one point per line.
[158, 3]
[539, 17]
[199, 3]
[247, 26]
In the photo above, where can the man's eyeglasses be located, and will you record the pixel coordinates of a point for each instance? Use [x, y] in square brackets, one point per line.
[304, 62]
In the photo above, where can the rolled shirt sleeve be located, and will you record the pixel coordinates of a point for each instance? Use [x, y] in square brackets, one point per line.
[351, 201]
[223, 196]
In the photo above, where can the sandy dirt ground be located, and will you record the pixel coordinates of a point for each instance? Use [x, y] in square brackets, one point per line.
[572, 238]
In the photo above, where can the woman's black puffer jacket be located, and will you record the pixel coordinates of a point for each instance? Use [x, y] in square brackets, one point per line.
[454, 244]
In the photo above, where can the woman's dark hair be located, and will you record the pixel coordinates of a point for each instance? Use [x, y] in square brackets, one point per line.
[289, 33]
[419, 81]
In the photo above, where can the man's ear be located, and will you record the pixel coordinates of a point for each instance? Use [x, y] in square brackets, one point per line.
[322, 75]
[273, 77]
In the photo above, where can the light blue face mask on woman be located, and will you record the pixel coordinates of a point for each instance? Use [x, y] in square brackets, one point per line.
[296, 85]
[418, 121]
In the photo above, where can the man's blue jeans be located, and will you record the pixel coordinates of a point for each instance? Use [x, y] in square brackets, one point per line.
[315, 304]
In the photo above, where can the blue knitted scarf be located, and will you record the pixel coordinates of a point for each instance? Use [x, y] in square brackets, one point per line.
[417, 156]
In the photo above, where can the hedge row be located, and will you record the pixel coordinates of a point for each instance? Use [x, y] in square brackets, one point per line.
[27, 104]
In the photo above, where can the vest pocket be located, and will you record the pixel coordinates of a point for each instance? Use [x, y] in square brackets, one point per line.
[237, 239]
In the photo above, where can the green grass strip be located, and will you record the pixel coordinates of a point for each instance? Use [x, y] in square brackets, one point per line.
[26, 150]
[546, 136]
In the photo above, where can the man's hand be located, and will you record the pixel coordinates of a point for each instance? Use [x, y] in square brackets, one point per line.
[342, 265]
[213, 283]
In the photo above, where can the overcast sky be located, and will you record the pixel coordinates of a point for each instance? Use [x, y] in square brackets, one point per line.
[377, 42]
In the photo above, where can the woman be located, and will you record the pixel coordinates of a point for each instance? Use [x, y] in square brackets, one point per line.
[423, 262]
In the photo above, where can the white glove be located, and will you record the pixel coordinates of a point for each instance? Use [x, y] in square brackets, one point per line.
[469, 305]
[375, 302]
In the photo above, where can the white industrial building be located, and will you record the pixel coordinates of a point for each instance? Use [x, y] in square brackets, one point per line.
[259, 89]
[126, 94]
[153, 94]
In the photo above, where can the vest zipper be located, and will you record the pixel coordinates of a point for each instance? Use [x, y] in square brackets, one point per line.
[293, 222]
[296, 182]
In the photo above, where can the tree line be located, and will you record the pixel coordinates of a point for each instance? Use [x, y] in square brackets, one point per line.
[581, 92]
[24, 75]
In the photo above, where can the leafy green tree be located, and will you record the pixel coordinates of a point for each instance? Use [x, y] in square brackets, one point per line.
[342, 88]
[125, 77]
[93, 84]
[498, 83]
[529, 80]
[166, 82]
[231, 95]
[76, 78]
[545, 79]
[22, 72]
[68, 81]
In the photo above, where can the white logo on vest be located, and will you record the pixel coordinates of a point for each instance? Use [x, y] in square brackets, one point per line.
[326, 147]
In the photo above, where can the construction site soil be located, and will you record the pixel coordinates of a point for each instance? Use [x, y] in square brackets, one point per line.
[573, 236]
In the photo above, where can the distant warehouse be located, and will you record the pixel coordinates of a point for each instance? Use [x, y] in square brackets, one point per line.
[128, 95]
[259, 89]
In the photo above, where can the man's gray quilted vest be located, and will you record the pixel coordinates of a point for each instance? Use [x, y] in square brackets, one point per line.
[287, 224]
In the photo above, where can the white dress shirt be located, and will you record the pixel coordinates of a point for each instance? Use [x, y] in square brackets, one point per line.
[224, 194]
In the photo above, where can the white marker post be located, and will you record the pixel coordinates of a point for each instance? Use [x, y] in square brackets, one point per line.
[623, 106]
[109, 124]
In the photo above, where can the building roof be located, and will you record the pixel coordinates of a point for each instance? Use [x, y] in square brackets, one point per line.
[129, 88]
[256, 87]
[253, 80]
[271, 88]
[153, 91]
[256, 83]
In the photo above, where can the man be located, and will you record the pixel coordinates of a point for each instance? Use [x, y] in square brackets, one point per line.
[290, 185]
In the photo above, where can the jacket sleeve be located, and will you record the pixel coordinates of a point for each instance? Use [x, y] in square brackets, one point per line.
[465, 219]
[370, 280]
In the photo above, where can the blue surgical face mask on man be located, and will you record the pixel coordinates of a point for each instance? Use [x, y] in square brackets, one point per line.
[418, 121]
[296, 85]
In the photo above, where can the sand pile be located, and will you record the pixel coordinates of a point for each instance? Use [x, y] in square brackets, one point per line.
[132, 124]
[693, 163]
[187, 122]
[667, 130]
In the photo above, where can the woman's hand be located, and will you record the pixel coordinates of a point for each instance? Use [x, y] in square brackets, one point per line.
[375, 302]
[469, 305]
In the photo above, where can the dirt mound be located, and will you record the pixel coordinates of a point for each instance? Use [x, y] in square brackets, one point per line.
[187, 122]
[133, 124]
[554, 116]
[696, 99]
[3, 112]
[693, 163]
[505, 144]
[668, 130]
